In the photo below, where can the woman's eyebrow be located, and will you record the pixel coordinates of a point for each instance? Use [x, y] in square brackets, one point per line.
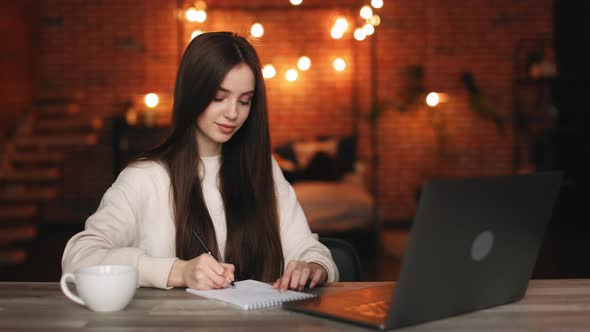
[222, 89]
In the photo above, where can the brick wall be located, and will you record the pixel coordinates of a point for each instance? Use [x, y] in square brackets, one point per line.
[111, 50]
[18, 32]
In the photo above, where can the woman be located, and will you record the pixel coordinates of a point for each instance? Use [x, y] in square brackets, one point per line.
[213, 178]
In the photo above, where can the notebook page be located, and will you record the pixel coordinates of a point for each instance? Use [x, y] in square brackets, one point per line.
[251, 294]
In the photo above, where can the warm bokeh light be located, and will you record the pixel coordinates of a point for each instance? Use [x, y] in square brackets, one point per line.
[268, 71]
[375, 20]
[341, 23]
[336, 33]
[366, 12]
[369, 29]
[191, 14]
[304, 63]
[196, 33]
[377, 3]
[296, 2]
[359, 34]
[339, 64]
[200, 16]
[338, 28]
[257, 30]
[291, 75]
[151, 100]
[432, 99]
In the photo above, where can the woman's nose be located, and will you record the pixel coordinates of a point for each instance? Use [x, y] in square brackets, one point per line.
[231, 111]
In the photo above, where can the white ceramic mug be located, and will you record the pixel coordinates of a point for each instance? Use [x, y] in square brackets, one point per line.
[102, 288]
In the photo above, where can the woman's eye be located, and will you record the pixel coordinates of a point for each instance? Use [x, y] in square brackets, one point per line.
[245, 102]
[218, 99]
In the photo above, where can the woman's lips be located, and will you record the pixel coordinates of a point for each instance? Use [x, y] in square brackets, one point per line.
[226, 129]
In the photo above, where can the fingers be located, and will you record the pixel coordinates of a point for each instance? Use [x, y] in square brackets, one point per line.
[286, 278]
[205, 272]
[317, 277]
[229, 271]
[298, 274]
[305, 273]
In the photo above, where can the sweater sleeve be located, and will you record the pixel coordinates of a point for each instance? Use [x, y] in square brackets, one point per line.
[299, 243]
[110, 235]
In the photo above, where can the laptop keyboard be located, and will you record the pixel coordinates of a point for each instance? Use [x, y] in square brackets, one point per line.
[378, 309]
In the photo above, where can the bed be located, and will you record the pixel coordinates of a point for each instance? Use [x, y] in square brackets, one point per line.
[329, 182]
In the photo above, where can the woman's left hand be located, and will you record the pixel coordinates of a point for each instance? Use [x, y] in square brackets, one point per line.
[298, 274]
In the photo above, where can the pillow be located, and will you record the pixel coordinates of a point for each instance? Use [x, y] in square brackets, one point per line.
[306, 150]
[285, 157]
[284, 163]
[286, 151]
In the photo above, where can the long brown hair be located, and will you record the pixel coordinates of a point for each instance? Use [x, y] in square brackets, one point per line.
[246, 183]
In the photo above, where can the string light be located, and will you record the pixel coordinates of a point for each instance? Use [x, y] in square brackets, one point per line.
[268, 71]
[339, 27]
[339, 64]
[151, 100]
[369, 29]
[336, 33]
[291, 75]
[377, 3]
[432, 99]
[375, 20]
[191, 14]
[366, 12]
[435, 98]
[197, 13]
[359, 34]
[200, 16]
[257, 30]
[304, 63]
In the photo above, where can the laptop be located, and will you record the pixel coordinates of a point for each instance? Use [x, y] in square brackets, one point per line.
[473, 245]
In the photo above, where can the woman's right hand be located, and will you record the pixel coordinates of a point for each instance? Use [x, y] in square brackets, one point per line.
[203, 272]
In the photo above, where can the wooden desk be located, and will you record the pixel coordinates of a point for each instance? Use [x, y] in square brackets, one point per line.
[549, 305]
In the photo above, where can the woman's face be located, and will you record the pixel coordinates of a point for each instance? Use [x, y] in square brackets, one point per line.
[227, 112]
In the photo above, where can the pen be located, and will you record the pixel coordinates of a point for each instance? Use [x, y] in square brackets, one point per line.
[233, 285]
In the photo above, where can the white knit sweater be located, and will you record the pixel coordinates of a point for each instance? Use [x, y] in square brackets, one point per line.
[134, 225]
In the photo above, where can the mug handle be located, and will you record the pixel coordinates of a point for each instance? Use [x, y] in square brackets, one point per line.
[66, 289]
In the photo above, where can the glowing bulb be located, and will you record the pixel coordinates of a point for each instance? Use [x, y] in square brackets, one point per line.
[200, 16]
[257, 30]
[191, 14]
[196, 33]
[432, 99]
[339, 64]
[336, 33]
[369, 29]
[359, 34]
[341, 24]
[304, 63]
[366, 12]
[375, 20]
[296, 2]
[151, 100]
[268, 71]
[377, 3]
[291, 75]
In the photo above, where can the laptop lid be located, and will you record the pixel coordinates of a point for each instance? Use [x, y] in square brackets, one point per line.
[473, 245]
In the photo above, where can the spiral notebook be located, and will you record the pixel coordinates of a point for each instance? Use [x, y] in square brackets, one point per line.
[251, 294]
